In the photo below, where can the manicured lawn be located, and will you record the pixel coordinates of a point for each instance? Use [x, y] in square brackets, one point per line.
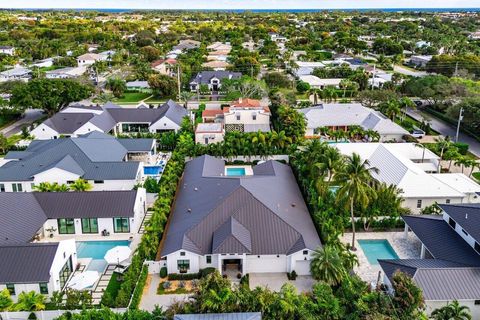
[132, 97]
[113, 286]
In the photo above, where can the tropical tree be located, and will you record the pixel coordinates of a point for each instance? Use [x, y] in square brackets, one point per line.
[5, 300]
[81, 185]
[330, 162]
[117, 86]
[354, 181]
[327, 265]
[441, 145]
[30, 301]
[185, 97]
[452, 311]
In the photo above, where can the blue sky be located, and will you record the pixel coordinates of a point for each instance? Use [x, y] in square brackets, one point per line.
[239, 4]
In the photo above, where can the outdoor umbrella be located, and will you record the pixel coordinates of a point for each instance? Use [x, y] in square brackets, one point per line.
[117, 254]
[83, 280]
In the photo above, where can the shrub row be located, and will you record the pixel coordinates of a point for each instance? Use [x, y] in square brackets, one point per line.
[137, 293]
[190, 276]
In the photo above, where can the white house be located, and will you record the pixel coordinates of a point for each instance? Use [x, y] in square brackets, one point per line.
[165, 66]
[420, 61]
[22, 74]
[247, 115]
[213, 79]
[307, 67]
[65, 73]
[9, 50]
[414, 170]
[206, 133]
[89, 58]
[238, 224]
[338, 116]
[318, 83]
[44, 63]
[107, 163]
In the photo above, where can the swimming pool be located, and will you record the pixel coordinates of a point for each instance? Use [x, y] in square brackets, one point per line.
[235, 171]
[152, 170]
[377, 249]
[96, 250]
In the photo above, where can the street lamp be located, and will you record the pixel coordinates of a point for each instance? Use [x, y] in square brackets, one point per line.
[460, 118]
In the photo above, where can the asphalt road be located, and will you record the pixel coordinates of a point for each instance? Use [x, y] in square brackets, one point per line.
[446, 129]
[30, 116]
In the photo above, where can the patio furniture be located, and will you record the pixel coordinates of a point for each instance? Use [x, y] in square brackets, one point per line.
[117, 254]
[83, 280]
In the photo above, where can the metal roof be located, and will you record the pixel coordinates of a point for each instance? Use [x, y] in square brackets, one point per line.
[220, 316]
[239, 214]
[204, 77]
[441, 240]
[29, 263]
[465, 215]
[68, 123]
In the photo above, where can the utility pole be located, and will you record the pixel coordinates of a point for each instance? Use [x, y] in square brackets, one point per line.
[455, 74]
[178, 80]
[460, 118]
[373, 75]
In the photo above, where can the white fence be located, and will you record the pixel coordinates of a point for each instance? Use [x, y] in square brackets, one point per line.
[43, 315]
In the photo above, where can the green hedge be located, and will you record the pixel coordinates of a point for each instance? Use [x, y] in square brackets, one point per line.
[183, 276]
[137, 293]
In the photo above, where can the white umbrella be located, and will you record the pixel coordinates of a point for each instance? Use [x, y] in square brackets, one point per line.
[117, 254]
[83, 280]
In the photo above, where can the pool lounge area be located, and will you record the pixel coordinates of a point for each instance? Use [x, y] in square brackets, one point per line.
[92, 253]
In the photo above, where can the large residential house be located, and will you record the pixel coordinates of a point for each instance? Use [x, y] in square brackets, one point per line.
[247, 115]
[21, 74]
[53, 221]
[414, 170]
[88, 59]
[8, 50]
[206, 133]
[213, 79]
[449, 265]
[106, 162]
[65, 73]
[167, 66]
[342, 116]
[185, 45]
[321, 83]
[420, 61]
[77, 120]
[238, 224]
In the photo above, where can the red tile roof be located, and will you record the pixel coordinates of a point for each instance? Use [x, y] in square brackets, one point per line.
[246, 103]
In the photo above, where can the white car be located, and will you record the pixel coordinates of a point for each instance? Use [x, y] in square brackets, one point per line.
[418, 133]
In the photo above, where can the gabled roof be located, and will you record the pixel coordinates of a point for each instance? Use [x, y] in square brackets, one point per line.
[204, 77]
[68, 123]
[218, 213]
[465, 215]
[439, 280]
[441, 240]
[28, 263]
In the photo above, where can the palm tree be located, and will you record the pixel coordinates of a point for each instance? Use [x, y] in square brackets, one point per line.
[327, 265]
[117, 86]
[43, 187]
[391, 109]
[5, 300]
[452, 311]
[81, 185]
[315, 93]
[354, 181]
[372, 135]
[442, 144]
[30, 301]
[330, 163]
[59, 187]
[465, 162]
[185, 97]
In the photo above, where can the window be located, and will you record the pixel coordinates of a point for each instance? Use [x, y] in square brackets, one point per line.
[121, 225]
[2, 187]
[183, 265]
[447, 201]
[89, 225]
[66, 226]
[65, 272]
[419, 203]
[209, 259]
[43, 288]
[98, 181]
[305, 252]
[452, 223]
[11, 288]
[17, 187]
[182, 253]
[254, 117]
[477, 302]
[465, 232]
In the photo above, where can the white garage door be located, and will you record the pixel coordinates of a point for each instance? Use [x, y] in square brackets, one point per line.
[302, 267]
[266, 264]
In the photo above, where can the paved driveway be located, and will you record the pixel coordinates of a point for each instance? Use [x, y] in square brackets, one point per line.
[275, 281]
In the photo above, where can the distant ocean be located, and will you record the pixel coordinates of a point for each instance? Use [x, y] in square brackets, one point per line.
[109, 10]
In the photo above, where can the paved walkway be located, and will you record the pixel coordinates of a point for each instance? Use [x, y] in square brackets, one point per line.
[446, 129]
[275, 281]
[30, 117]
[150, 298]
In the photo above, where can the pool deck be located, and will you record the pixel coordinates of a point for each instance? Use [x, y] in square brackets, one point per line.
[406, 248]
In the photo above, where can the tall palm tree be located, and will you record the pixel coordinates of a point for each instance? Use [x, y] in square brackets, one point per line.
[327, 265]
[354, 181]
[43, 187]
[442, 144]
[330, 162]
[452, 311]
[465, 162]
[30, 301]
[185, 97]
[81, 185]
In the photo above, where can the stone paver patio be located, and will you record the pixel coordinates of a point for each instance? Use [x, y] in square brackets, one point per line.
[275, 281]
[406, 248]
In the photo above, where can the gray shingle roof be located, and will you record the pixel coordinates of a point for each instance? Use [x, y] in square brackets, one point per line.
[220, 316]
[276, 218]
[204, 77]
[29, 263]
[68, 123]
[441, 240]
[439, 279]
[467, 216]
[98, 155]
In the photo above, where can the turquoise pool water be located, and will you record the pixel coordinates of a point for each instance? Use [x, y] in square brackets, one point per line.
[152, 170]
[97, 249]
[235, 171]
[377, 249]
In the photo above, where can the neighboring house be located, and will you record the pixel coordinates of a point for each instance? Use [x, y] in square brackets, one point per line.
[342, 116]
[22, 74]
[8, 50]
[89, 58]
[414, 170]
[474, 35]
[220, 46]
[206, 133]
[106, 162]
[77, 120]
[449, 264]
[142, 86]
[216, 65]
[306, 67]
[213, 79]
[247, 115]
[239, 224]
[65, 73]
[318, 83]
[167, 67]
[420, 61]
[107, 55]
[45, 63]
[220, 316]
[185, 45]
[275, 37]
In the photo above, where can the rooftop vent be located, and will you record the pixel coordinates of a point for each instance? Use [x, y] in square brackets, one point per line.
[189, 210]
[294, 205]
[196, 189]
[466, 216]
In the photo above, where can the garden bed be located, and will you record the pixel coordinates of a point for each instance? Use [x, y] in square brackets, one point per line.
[176, 287]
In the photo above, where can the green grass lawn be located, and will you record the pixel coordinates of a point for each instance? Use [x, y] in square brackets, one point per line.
[132, 97]
[113, 286]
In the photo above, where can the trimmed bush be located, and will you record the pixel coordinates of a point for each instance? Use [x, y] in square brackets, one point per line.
[462, 147]
[205, 272]
[183, 276]
[163, 272]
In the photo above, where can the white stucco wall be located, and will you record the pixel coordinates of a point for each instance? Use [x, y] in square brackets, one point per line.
[411, 203]
[212, 137]
[173, 257]
[246, 117]
[164, 124]
[44, 132]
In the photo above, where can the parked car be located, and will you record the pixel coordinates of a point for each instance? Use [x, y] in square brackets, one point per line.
[418, 133]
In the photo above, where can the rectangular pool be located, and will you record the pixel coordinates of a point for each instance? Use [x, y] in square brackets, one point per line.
[96, 250]
[235, 171]
[377, 249]
[152, 170]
